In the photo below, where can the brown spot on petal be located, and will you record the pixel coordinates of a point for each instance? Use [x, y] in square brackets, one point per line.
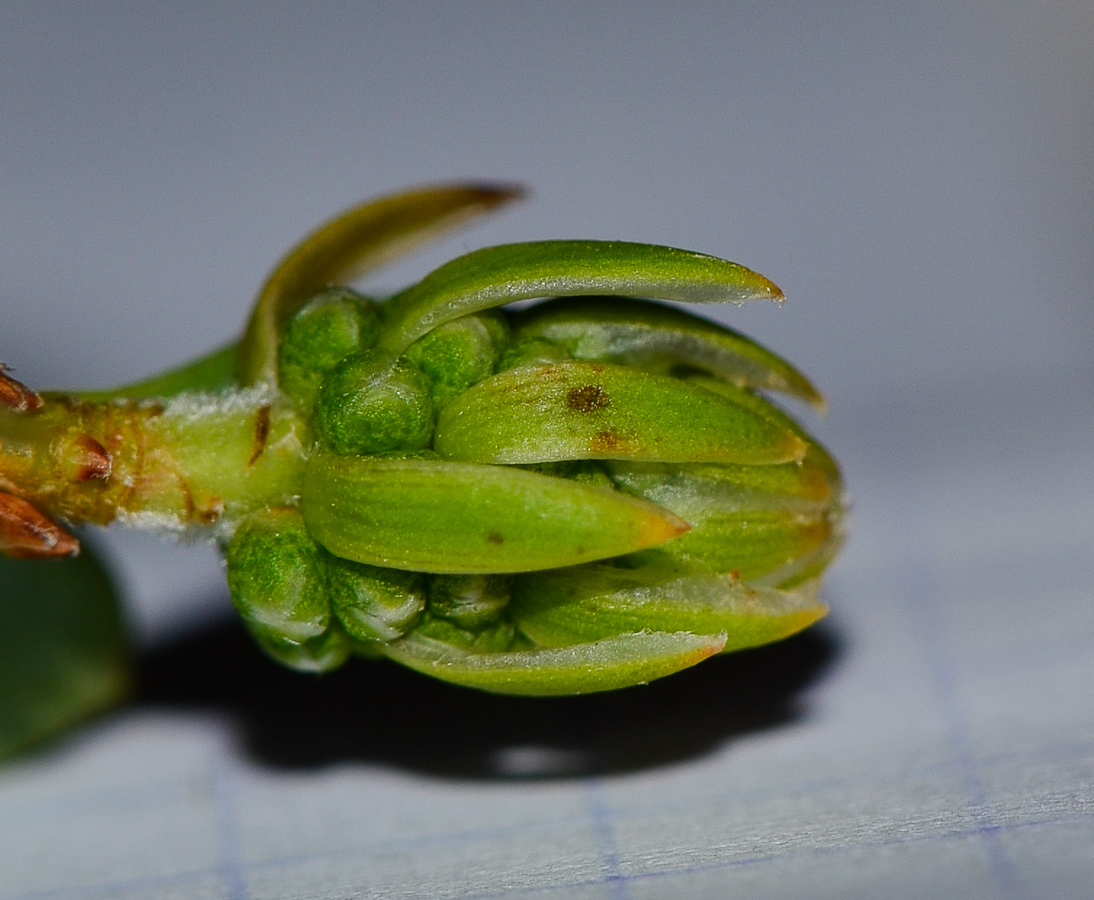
[27, 532]
[608, 441]
[588, 398]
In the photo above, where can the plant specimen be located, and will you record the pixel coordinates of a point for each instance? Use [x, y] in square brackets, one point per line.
[581, 494]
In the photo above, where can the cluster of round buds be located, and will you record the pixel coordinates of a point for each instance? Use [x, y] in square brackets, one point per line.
[582, 494]
[586, 493]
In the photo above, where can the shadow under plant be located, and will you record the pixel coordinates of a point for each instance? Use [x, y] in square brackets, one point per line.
[380, 712]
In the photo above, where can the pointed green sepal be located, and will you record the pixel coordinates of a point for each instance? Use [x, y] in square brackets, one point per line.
[358, 239]
[659, 338]
[616, 662]
[576, 410]
[437, 516]
[802, 488]
[495, 276]
[588, 603]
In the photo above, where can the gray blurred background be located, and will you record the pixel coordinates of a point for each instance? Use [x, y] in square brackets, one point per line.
[919, 178]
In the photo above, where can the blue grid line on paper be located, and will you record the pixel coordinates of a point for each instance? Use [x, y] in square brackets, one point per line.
[238, 871]
[181, 879]
[919, 584]
[110, 888]
[787, 855]
[224, 796]
[607, 848]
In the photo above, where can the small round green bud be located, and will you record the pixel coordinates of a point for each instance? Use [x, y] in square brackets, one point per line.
[460, 353]
[370, 403]
[469, 601]
[374, 604]
[494, 638]
[277, 577]
[329, 327]
[532, 351]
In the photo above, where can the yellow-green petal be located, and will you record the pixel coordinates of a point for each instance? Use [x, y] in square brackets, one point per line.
[576, 410]
[615, 662]
[450, 517]
[658, 338]
[587, 603]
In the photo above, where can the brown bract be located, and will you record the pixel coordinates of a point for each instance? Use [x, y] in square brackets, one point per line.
[28, 533]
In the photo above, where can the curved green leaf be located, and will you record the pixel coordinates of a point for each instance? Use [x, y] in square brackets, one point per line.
[495, 276]
[206, 374]
[576, 410]
[616, 662]
[436, 516]
[659, 338]
[588, 603]
[341, 249]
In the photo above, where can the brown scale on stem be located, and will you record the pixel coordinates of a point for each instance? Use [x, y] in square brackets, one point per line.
[16, 395]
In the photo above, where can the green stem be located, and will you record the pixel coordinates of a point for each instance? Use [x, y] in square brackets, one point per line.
[197, 459]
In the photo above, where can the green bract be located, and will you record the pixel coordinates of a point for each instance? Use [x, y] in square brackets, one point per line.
[586, 493]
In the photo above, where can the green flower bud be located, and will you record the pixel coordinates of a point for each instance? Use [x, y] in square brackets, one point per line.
[532, 351]
[326, 329]
[372, 603]
[370, 403]
[459, 354]
[496, 637]
[276, 575]
[469, 601]
[328, 651]
[278, 582]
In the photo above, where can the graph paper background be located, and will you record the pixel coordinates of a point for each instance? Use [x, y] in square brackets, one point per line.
[917, 177]
[934, 738]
